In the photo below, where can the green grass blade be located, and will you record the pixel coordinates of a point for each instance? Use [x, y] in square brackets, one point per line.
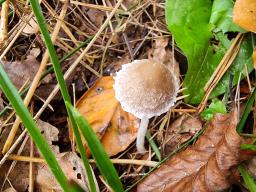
[154, 146]
[248, 147]
[82, 152]
[13, 96]
[2, 1]
[52, 53]
[248, 179]
[247, 110]
[50, 69]
[99, 154]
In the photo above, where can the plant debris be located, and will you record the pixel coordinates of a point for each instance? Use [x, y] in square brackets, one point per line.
[204, 166]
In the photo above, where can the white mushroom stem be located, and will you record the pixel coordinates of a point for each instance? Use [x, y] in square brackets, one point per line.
[141, 135]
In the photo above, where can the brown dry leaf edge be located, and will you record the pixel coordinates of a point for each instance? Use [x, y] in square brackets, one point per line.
[205, 166]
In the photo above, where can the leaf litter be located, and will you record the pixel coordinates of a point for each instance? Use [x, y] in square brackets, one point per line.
[147, 37]
[205, 166]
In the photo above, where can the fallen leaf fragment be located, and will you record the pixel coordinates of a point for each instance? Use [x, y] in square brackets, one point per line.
[122, 131]
[31, 27]
[205, 166]
[50, 133]
[98, 105]
[244, 14]
[21, 71]
[115, 128]
[181, 130]
[71, 165]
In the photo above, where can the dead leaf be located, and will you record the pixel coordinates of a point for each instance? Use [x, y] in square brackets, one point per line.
[18, 177]
[50, 133]
[98, 105]
[122, 131]
[96, 16]
[71, 165]
[116, 128]
[204, 166]
[31, 27]
[21, 71]
[244, 14]
[181, 130]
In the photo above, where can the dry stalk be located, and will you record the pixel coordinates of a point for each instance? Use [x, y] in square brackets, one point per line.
[115, 161]
[4, 23]
[35, 81]
[78, 60]
[221, 69]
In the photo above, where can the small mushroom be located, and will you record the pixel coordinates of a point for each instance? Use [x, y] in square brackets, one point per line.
[145, 88]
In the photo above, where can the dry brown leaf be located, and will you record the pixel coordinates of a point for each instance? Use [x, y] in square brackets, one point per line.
[31, 27]
[121, 132]
[71, 165]
[204, 166]
[244, 14]
[21, 71]
[50, 133]
[116, 128]
[180, 131]
[98, 105]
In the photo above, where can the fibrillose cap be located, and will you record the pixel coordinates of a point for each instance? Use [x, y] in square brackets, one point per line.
[145, 88]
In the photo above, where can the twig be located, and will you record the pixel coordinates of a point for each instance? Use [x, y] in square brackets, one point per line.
[4, 23]
[115, 161]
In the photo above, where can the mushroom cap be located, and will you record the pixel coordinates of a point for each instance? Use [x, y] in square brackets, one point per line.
[145, 88]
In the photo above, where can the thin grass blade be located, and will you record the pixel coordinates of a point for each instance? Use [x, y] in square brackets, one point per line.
[13, 96]
[103, 162]
[248, 179]
[82, 153]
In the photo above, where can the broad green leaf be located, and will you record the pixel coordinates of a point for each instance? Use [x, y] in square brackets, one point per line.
[216, 106]
[192, 23]
[99, 154]
[221, 16]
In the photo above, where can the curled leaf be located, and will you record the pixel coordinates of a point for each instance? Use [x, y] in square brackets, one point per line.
[115, 128]
[204, 166]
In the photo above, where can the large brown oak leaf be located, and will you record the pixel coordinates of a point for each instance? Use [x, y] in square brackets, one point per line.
[205, 166]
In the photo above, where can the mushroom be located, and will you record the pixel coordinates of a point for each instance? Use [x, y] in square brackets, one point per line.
[145, 88]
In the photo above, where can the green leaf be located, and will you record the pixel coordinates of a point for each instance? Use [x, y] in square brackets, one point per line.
[216, 106]
[191, 23]
[244, 57]
[103, 162]
[248, 179]
[221, 16]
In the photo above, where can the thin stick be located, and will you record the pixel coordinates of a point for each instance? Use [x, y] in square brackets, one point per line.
[93, 6]
[77, 61]
[35, 81]
[115, 161]
[4, 22]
